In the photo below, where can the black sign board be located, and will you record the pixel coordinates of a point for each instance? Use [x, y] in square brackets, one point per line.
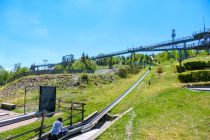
[47, 99]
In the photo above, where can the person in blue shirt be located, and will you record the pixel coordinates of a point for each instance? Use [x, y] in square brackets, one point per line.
[57, 128]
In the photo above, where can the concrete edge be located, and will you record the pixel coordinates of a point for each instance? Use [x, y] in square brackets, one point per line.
[102, 131]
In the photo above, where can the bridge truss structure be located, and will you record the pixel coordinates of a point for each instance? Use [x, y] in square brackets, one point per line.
[198, 41]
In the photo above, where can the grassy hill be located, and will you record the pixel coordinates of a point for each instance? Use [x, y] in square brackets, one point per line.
[96, 98]
[163, 110]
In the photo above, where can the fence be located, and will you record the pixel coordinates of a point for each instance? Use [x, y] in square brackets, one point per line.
[74, 106]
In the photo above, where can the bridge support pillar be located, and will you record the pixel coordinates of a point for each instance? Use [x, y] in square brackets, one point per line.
[133, 58]
[185, 51]
[197, 52]
[110, 63]
[180, 54]
[185, 54]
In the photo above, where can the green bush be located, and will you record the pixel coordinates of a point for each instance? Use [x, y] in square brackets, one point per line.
[159, 69]
[194, 76]
[87, 65]
[185, 77]
[84, 77]
[180, 69]
[196, 65]
[122, 72]
[133, 69]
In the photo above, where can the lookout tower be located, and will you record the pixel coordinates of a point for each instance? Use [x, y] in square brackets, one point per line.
[173, 34]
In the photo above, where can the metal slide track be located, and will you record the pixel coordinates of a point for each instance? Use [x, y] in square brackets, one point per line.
[91, 123]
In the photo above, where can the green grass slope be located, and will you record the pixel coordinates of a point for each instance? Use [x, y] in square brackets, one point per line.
[95, 97]
[162, 110]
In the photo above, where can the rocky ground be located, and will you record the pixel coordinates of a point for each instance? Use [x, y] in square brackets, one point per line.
[61, 81]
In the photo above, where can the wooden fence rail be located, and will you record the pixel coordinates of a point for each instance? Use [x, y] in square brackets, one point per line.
[44, 114]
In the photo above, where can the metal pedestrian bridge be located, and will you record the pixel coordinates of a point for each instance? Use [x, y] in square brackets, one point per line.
[199, 40]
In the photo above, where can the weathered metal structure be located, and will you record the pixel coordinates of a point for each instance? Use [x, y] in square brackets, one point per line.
[67, 59]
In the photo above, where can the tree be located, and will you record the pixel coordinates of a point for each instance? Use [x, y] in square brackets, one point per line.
[58, 67]
[4, 76]
[89, 65]
[17, 66]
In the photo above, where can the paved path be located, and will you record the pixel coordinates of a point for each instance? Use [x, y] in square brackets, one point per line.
[105, 71]
[4, 114]
[16, 125]
[88, 135]
[200, 89]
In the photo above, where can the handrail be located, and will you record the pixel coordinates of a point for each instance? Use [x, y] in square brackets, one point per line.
[156, 45]
[43, 114]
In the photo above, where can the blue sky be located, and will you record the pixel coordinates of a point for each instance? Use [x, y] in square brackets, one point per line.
[33, 30]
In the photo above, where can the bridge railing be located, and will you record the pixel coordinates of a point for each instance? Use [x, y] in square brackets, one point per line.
[157, 45]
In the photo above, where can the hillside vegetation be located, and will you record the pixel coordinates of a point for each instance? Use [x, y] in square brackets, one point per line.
[162, 110]
[96, 97]
[61, 81]
[195, 70]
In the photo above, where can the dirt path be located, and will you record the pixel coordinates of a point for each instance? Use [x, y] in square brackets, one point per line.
[129, 126]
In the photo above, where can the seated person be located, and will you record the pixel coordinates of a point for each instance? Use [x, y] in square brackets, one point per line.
[57, 128]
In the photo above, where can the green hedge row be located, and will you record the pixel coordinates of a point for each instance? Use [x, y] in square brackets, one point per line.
[194, 76]
[196, 65]
[179, 69]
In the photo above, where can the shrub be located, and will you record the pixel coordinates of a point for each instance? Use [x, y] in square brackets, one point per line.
[123, 72]
[180, 69]
[196, 65]
[185, 77]
[202, 75]
[133, 69]
[194, 76]
[159, 70]
[87, 65]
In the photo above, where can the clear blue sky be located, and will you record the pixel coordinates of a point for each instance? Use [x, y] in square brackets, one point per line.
[33, 30]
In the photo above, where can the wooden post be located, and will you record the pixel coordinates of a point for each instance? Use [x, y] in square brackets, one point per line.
[24, 104]
[71, 122]
[59, 101]
[42, 124]
[82, 112]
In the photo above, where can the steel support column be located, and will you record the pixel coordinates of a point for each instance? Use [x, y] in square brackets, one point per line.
[185, 51]
[110, 63]
[180, 54]
[133, 57]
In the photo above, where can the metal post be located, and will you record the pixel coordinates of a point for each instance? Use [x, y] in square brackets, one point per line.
[24, 106]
